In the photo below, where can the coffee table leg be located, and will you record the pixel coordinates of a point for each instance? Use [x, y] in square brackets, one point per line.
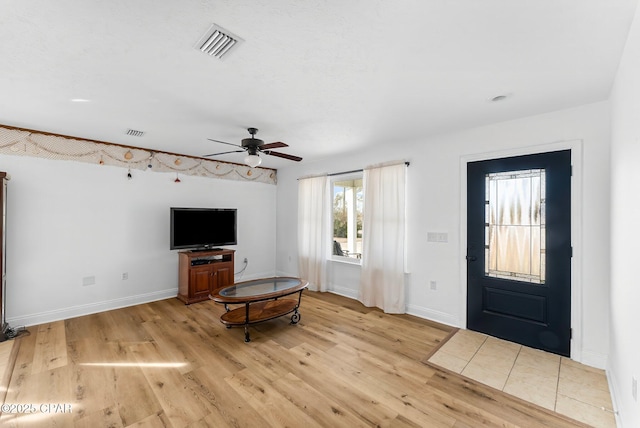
[295, 317]
[246, 325]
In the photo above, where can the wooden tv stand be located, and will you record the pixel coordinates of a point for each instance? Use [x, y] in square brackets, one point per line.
[202, 272]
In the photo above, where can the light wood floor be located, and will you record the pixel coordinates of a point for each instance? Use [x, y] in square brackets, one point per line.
[164, 364]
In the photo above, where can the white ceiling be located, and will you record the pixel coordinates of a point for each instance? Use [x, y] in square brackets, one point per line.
[326, 77]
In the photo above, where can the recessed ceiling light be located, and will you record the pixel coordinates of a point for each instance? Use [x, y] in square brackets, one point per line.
[79, 100]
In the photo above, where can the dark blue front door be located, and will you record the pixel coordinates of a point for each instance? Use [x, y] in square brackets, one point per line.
[519, 249]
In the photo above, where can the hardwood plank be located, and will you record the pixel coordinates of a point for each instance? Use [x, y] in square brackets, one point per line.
[6, 348]
[37, 390]
[320, 408]
[159, 420]
[168, 364]
[108, 417]
[274, 408]
[130, 319]
[51, 347]
[135, 399]
[337, 301]
[252, 357]
[397, 396]
[171, 345]
[96, 326]
[227, 407]
[358, 342]
[179, 402]
[8, 356]
[398, 370]
[360, 327]
[19, 378]
[279, 330]
[93, 390]
[397, 328]
[333, 384]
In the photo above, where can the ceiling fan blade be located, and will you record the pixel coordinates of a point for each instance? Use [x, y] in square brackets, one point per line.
[222, 153]
[276, 145]
[223, 142]
[284, 156]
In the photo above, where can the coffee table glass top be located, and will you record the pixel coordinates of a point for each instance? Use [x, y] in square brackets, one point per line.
[260, 288]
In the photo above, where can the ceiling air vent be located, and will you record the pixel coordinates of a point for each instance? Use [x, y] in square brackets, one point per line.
[135, 133]
[218, 42]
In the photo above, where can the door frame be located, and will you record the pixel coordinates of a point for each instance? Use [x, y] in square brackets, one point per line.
[576, 228]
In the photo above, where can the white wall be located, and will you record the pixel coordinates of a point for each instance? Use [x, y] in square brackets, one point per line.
[434, 204]
[68, 220]
[624, 362]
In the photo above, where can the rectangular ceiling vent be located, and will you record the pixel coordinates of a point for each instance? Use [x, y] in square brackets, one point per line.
[218, 42]
[135, 133]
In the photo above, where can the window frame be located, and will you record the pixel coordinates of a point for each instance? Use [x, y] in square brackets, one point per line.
[536, 228]
[358, 175]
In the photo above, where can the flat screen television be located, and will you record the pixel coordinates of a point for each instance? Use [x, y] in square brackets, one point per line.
[203, 228]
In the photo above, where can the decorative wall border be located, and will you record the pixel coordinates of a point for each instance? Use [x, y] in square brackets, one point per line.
[25, 142]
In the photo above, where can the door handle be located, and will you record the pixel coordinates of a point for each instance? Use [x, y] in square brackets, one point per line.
[471, 258]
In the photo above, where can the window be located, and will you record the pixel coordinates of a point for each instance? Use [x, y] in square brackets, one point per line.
[347, 205]
[515, 225]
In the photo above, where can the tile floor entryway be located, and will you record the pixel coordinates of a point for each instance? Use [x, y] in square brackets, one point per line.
[548, 380]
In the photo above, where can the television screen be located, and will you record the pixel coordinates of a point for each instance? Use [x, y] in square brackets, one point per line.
[202, 228]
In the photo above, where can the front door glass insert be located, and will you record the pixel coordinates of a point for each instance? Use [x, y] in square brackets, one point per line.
[515, 225]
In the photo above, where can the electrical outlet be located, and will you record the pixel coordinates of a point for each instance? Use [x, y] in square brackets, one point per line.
[634, 389]
[246, 260]
[125, 275]
[433, 285]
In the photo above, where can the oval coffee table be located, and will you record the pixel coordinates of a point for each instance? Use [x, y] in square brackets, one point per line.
[262, 300]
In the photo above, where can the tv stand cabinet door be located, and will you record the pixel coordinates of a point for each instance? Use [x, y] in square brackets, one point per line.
[200, 282]
[222, 276]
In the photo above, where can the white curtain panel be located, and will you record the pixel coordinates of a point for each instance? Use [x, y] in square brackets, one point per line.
[383, 238]
[313, 231]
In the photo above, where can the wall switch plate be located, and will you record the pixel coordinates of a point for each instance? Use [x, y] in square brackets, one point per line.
[437, 237]
[88, 280]
[634, 388]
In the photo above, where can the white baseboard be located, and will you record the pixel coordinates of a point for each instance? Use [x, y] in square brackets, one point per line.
[433, 315]
[250, 277]
[344, 291]
[614, 390]
[90, 308]
[283, 273]
[417, 311]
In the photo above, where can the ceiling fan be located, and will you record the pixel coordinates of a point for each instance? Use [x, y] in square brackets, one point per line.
[253, 146]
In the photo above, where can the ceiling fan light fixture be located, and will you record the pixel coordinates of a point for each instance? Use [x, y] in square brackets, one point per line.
[253, 160]
[253, 146]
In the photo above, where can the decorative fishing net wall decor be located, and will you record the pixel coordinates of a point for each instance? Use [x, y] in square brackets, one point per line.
[14, 141]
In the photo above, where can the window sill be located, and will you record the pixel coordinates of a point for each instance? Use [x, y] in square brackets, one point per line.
[346, 260]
